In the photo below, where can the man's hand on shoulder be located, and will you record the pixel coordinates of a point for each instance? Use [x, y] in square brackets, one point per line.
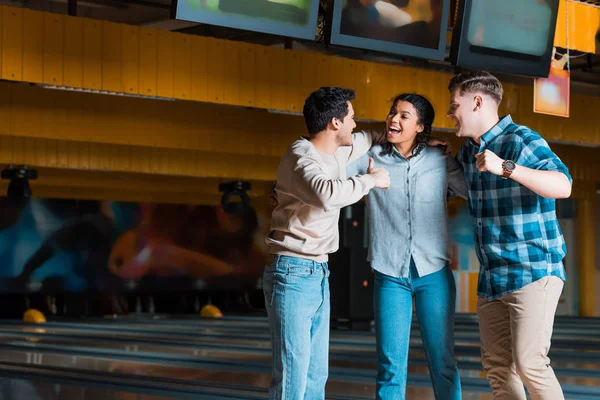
[379, 136]
[441, 143]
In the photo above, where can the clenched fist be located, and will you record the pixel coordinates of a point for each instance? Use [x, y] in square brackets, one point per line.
[489, 161]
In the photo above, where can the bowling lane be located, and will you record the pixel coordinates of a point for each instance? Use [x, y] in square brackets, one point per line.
[19, 389]
[347, 363]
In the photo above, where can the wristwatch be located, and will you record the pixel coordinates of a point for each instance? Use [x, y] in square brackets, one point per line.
[508, 166]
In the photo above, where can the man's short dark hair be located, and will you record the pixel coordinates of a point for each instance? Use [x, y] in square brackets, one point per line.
[325, 104]
[477, 81]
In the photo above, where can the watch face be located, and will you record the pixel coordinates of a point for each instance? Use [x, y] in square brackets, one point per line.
[509, 165]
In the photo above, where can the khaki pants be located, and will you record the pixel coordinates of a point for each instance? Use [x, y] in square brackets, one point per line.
[515, 339]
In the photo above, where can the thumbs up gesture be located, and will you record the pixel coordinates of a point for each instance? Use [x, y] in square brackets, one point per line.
[380, 175]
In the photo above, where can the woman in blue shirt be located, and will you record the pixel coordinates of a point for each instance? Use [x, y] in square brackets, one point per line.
[409, 249]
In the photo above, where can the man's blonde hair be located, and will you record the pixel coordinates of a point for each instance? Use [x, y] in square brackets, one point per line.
[477, 81]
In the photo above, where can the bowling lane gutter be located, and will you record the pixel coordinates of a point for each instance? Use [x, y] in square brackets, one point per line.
[592, 343]
[573, 326]
[263, 346]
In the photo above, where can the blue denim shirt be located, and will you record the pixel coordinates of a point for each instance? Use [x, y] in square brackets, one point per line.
[410, 218]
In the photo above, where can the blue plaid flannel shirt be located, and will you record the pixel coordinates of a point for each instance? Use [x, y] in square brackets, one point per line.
[518, 238]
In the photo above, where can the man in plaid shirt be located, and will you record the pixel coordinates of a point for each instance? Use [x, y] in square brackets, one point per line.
[513, 179]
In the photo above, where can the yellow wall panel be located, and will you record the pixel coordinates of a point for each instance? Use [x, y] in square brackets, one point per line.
[41, 152]
[54, 118]
[106, 157]
[29, 149]
[123, 161]
[18, 150]
[5, 100]
[111, 57]
[157, 160]
[199, 68]
[73, 52]
[323, 70]
[277, 76]
[404, 78]
[440, 98]
[6, 148]
[294, 91]
[52, 153]
[182, 73]
[347, 71]
[32, 123]
[92, 54]
[62, 154]
[337, 72]
[53, 49]
[393, 78]
[263, 78]
[165, 64]
[94, 161]
[379, 92]
[130, 59]
[71, 113]
[189, 162]
[12, 43]
[510, 102]
[361, 103]
[308, 77]
[216, 70]
[141, 159]
[247, 84]
[33, 46]
[19, 114]
[73, 156]
[84, 155]
[232, 73]
[2, 8]
[148, 61]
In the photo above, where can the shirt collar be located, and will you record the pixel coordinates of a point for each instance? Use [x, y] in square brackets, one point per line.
[398, 154]
[496, 130]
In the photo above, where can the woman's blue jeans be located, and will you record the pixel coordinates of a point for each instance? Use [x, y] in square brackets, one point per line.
[435, 297]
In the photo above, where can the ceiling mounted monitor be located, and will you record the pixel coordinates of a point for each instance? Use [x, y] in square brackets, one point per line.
[290, 18]
[510, 36]
[414, 28]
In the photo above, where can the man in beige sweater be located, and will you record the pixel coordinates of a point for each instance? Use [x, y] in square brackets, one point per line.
[311, 189]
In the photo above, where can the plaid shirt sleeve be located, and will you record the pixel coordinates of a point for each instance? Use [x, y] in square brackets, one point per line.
[534, 152]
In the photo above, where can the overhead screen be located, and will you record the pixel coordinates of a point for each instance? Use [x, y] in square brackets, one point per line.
[511, 36]
[408, 27]
[291, 18]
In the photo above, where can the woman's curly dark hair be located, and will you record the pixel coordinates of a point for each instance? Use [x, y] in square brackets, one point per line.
[426, 115]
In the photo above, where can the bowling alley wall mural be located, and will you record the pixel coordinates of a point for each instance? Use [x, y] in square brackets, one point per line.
[54, 245]
[72, 245]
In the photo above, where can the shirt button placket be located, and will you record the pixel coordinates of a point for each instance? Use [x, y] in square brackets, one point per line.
[408, 208]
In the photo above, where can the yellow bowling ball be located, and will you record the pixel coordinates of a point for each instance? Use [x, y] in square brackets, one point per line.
[33, 316]
[35, 330]
[210, 311]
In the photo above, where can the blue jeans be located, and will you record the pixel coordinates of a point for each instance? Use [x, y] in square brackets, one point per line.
[435, 296]
[297, 300]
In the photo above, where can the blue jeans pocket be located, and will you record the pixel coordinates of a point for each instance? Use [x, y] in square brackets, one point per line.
[271, 277]
[298, 270]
